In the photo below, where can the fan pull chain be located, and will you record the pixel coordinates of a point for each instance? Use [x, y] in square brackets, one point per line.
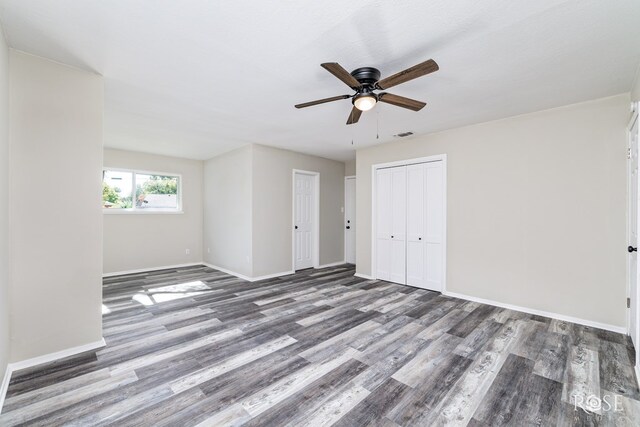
[351, 114]
[378, 124]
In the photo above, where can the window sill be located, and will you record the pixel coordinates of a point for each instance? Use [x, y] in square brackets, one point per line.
[140, 212]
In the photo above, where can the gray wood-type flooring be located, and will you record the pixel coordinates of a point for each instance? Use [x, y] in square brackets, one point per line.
[196, 346]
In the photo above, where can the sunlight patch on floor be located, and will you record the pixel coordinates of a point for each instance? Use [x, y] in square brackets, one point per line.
[171, 292]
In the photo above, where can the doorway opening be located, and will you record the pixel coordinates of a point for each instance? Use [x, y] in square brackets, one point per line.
[350, 219]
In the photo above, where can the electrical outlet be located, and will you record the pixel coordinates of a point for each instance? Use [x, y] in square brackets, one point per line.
[187, 251]
[342, 209]
[208, 250]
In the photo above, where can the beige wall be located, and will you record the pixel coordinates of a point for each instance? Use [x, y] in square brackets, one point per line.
[272, 208]
[536, 208]
[635, 89]
[350, 167]
[227, 211]
[141, 241]
[56, 219]
[5, 341]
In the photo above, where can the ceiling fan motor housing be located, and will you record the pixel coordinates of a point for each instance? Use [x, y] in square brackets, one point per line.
[367, 76]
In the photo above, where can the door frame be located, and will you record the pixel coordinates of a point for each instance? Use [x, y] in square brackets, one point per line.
[435, 158]
[315, 247]
[344, 216]
[635, 106]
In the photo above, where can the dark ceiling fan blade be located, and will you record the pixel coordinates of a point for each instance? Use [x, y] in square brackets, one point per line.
[401, 101]
[322, 101]
[337, 70]
[414, 72]
[354, 116]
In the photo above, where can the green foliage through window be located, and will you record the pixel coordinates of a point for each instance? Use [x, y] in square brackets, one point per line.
[160, 185]
[159, 192]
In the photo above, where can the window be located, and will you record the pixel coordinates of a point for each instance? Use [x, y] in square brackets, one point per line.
[139, 192]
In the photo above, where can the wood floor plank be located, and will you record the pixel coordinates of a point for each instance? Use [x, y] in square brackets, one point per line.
[235, 361]
[375, 406]
[66, 399]
[583, 378]
[552, 359]
[616, 370]
[415, 371]
[321, 389]
[388, 343]
[541, 402]
[263, 399]
[459, 405]
[508, 389]
[55, 389]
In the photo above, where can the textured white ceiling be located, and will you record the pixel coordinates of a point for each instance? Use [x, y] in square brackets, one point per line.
[199, 77]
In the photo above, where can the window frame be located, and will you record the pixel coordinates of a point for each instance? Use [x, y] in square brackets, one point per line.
[146, 211]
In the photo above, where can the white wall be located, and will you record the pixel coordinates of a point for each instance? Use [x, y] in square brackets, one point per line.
[56, 218]
[5, 341]
[536, 208]
[227, 211]
[350, 167]
[272, 208]
[141, 241]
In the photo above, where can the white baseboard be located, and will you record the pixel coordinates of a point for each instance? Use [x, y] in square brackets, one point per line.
[145, 270]
[333, 264]
[364, 276]
[271, 276]
[613, 328]
[247, 278]
[46, 358]
[224, 270]
[637, 369]
[5, 385]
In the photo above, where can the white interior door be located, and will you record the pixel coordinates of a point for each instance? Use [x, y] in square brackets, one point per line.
[435, 225]
[399, 225]
[416, 237]
[634, 296]
[303, 220]
[350, 220]
[391, 205]
[383, 224]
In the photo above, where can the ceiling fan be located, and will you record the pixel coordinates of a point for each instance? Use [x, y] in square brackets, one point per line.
[366, 80]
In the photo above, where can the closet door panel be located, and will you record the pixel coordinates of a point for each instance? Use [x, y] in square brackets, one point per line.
[434, 225]
[398, 204]
[383, 224]
[416, 239]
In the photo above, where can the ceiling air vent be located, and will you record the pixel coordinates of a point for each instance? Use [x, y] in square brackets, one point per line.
[403, 134]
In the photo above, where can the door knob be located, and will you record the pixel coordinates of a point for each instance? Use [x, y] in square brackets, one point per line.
[296, 227]
[348, 228]
[632, 249]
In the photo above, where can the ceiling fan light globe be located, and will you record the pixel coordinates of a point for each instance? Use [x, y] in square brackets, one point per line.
[365, 102]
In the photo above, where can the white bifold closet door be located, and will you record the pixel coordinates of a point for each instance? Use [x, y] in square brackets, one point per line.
[434, 226]
[416, 209]
[391, 224]
[410, 225]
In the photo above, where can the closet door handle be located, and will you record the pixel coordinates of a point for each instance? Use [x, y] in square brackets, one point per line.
[392, 237]
[348, 228]
[419, 238]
